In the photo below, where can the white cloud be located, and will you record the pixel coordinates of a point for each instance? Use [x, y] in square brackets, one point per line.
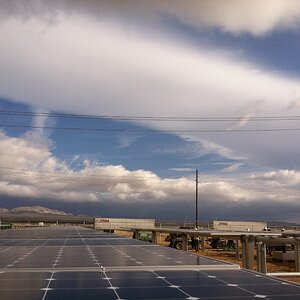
[237, 16]
[99, 66]
[294, 104]
[41, 120]
[126, 140]
[281, 177]
[54, 56]
[28, 152]
[29, 169]
[182, 169]
[256, 17]
[232, 168]
[213, 147]
[251, 110]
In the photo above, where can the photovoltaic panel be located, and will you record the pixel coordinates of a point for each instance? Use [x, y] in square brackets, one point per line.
[77, 263]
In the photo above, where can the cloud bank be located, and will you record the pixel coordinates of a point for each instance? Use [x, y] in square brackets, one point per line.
[30, 170]
[256, 17]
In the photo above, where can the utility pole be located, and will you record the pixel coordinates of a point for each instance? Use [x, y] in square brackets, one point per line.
[196, 223]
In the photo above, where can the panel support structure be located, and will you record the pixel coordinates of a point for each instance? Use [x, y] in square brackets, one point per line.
[135, 234]
[297, 258]
[203, 243]
[248, 252]
[154, 237]
[261, 258]
[185, 242]
[244, 250]
[250, 256]
[237, 249]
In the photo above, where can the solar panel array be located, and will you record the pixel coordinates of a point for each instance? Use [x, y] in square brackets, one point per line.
[78, 263]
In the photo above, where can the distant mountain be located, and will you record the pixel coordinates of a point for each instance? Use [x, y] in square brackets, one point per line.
[34, 210]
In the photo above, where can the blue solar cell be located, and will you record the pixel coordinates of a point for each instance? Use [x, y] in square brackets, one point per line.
[247, 279]
[24, 275]
[138, 282]
[287, 297]
[272, 289]
[84, 294]
[79, 283]
[25, 284]
[21, 294]
[195, 281]
[124, 274]
[151, 293]
[233, 273]
[220, 291]
[78, 275]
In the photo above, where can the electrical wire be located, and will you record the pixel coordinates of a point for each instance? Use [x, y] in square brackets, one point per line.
[92, 129]
[117, 180]
[96, 178]
[149, 118]
[80, 177]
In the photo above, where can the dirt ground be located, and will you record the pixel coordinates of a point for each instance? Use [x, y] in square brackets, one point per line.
[230, 256]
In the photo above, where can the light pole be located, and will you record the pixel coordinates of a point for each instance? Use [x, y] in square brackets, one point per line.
[196, 223]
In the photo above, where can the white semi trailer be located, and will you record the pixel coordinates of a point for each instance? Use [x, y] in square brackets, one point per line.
[110, 224]
[239, 225]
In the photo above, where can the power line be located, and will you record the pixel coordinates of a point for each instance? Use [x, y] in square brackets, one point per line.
[92, 129]
[82, 177]
[47, 178]
[95, 178]
[109, 179]
[51, 179]
[77, 178]
[131, 177]
[88, 180]
[149, 118]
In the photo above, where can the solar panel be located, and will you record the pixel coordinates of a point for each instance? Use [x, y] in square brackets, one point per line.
[77, 263]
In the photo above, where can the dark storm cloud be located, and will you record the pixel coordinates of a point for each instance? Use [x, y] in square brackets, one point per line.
[182, 210]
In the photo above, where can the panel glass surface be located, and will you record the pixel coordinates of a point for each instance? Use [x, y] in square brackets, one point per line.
[77, 263]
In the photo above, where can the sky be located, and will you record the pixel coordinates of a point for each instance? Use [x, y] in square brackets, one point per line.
[107, 108]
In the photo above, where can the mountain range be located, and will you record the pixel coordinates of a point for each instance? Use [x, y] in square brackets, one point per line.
[35, 210]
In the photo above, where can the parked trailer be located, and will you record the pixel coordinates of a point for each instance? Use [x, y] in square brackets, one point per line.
[110, 224]
[239, 225]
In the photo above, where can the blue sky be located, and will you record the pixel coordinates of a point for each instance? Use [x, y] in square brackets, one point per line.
[233, 66]
[277, 51]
